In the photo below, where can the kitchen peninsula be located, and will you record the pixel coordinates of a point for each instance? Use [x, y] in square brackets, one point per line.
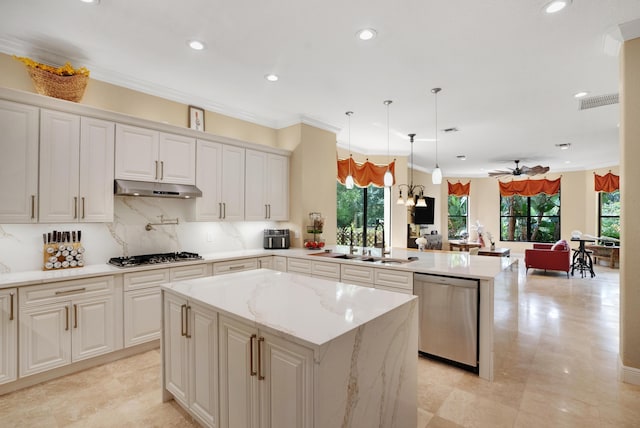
[289, 351]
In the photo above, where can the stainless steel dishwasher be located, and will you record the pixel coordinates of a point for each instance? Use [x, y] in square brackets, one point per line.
[448, 318]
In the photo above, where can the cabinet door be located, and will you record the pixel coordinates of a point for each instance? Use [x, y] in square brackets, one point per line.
[45, 338]
[232, 183]
[265, 262]
[175, 347]
[141, 316]
[59, 160]
[136, 153]
[177, 159]
[209, 181]
[203, 362]
[280, 263]
[8, 335]
[96, 170]
[18, 163]
[238, 375]
[93, 327]
[278, 187]
[255, 198]
[286, 392]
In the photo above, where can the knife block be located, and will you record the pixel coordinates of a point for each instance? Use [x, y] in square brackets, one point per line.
[67, 258]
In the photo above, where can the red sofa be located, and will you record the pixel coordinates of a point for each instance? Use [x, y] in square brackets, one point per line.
[549, 257]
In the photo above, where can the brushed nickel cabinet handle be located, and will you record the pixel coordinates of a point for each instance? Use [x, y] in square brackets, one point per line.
[75, 290]
[252, 372]
[266, 211]
[183, 310]
[66, 310]
[75, 207]
[83, 206]
[161, 170]
[224, 208]
[188, 334]
[269, 211]
[33, 206]
[260, 342]
[75, 316]
[220, 210]
[236, 267]
[11, 310]
[156, 177]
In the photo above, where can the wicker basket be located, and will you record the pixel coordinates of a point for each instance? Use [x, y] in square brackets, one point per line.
[70, 88]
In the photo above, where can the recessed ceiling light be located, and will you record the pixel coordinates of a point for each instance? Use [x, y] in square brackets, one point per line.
[567, 162]
[581, 94]
[462, 157]
[563, 146]
[196, 45]
[556, 5]
[366, 34]
[271, 77]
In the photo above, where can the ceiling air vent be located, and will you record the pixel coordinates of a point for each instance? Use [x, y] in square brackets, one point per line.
[597, 101]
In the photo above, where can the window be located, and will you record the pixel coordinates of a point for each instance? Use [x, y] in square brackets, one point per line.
[609, 214]
[360, 214]
[530, 218]
[458, 216]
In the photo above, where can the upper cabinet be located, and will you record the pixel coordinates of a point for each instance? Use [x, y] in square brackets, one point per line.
[267, 186]
[147, 155]
[220, 177]
[18, 163]
[76, 168]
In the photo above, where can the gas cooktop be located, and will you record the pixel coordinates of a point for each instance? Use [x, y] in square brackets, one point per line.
[151, 259]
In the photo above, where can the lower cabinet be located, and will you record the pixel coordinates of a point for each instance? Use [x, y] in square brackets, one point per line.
[190, 351]
[220, 268]
[265, 381]
[67, 322]
[8, 335]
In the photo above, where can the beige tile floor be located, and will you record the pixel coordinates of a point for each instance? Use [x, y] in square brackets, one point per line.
[558, 339]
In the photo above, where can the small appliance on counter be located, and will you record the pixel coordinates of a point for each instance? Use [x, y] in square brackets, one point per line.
[150, 259]
[276, 239]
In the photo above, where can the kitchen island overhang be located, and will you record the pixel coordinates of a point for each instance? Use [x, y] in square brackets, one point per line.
[361, 342]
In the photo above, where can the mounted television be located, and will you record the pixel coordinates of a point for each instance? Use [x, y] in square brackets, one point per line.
[424, 215]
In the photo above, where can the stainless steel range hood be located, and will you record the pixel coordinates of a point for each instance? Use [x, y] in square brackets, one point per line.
[161, 190]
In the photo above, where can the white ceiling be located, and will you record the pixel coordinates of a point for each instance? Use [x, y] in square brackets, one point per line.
[508, 70]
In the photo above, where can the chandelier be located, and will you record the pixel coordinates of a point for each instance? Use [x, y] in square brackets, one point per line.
[412, 190]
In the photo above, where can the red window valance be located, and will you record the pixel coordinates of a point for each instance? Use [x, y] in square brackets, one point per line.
[529, 187]
[459, 189]
[606, 183]
[365, 174]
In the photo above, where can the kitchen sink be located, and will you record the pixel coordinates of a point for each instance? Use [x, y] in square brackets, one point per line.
[370, 259]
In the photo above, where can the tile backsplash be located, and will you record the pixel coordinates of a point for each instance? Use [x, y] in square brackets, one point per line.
[21, 244]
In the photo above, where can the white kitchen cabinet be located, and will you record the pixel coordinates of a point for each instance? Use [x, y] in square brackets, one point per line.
[19, 162]
[326, 270]
[8, 335]
[358, 275]
[190, 351]
[220, 268]
[265, 381]
[300, 266]
[142, 300]
[76, 168]
[265, 262]
[267, 186]
[279, 263]
[147, 155]
[220, 177]
[67, 322]
[393, 280]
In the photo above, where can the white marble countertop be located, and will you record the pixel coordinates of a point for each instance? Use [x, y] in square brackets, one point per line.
[459, 264]
[302, 308]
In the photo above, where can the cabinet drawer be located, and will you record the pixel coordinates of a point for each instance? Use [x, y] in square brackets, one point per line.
[299, 266]
[356, 274]
[144, 279]
[190, 272]
[62, 291]
[394, 278]
[326, 269]
[394, 289]
[265, 262]
[234, 266]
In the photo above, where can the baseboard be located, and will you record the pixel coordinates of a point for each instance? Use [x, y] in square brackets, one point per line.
[628, 374]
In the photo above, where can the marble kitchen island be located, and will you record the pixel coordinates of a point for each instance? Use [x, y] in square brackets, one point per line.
[270, 349]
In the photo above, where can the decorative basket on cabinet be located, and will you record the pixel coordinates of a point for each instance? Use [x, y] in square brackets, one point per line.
[64, 82]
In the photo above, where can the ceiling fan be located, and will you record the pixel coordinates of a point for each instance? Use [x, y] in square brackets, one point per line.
[519, 170]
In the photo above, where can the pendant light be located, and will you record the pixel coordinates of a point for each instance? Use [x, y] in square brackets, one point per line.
[348, 182]
[412, 190]
[436, 175]
[388, 177]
